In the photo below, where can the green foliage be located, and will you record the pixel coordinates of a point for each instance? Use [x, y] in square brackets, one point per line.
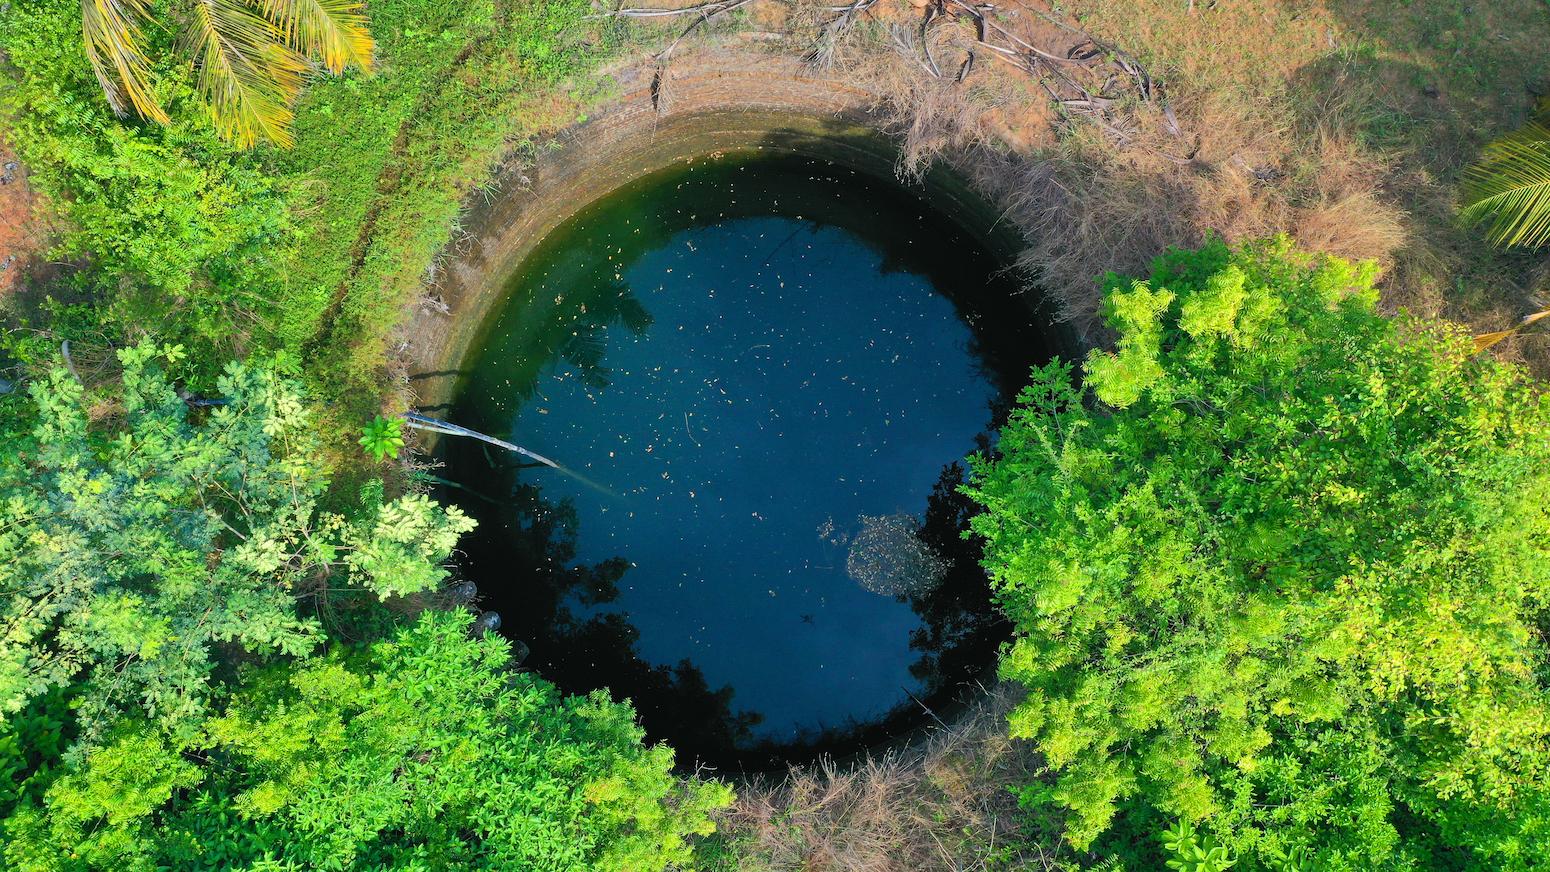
[248, 57]
[1508, 189]
[32, 741]
[186, 236]
[132, 550]
[1286, 580]
[383, 437]
[1188, 852]
[188, 239]
[396, 550]
[156, 563]
[478, 78]
[424, 752]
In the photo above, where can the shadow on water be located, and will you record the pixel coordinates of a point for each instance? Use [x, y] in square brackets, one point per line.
[726, 576]
[960, 629]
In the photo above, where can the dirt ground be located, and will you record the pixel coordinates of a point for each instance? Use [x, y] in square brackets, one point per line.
[22, 238]
[1390, 99]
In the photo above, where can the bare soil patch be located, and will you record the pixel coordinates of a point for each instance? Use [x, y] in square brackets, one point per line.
[23, 237]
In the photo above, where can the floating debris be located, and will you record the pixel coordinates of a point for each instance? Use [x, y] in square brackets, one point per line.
[888, 557]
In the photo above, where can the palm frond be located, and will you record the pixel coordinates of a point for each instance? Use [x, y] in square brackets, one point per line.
[111, 32]
[332, 31]
[1486, 340]
[247, 73]
[1508, 189]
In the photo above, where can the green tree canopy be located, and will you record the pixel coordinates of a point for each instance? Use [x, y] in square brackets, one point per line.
[423, 752]
[134, 547]
[166, 704]
[1280, 568]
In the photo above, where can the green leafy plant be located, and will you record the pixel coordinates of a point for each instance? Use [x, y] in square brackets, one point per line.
[1293, 860]
[134, 549]
[1190, 852]
[1277, 570]
[165, 574]
[422, 752]
[383, 437]
[1508, 189]
[183, 237]
[32, 743]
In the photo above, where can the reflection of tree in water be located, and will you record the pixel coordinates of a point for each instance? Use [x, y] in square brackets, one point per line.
[534, 540]
[559, 330]
[585, 344]
[524, 555]
[538, 539]
[938, 573]
[936, 569]
[962, 626]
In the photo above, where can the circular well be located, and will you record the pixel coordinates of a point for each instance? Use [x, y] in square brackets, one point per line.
[760, 373]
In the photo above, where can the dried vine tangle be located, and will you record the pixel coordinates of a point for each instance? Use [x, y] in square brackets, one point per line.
[1091, 81]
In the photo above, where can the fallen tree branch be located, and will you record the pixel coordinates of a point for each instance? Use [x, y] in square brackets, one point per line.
[826, 45]
[904, 41]
[965, 68]
[705, 10]
[925, 40]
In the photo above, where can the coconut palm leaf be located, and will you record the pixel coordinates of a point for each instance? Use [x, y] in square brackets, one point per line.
[333, 31]
[1508, 189]
[111, 32]
[1486, 340]
[247, 73]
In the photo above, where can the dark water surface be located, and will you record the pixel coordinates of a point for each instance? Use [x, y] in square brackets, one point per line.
[764, 372]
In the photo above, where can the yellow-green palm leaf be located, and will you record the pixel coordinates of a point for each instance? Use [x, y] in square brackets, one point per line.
[247, 73]
[111, 32]
[333, 31]
[1508, 190]
[250, 56]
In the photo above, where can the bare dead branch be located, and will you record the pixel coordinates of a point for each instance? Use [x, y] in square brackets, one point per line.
[704, 10]
[826, 45]
[925, 40]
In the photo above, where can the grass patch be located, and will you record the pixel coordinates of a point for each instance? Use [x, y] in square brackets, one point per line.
[1409, 91]
[472, 80]
[311, 252]
[944, 803]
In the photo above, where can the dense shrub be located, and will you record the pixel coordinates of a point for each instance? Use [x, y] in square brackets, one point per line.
[1279, 569]
[316, 249]
[423, 752]
[182, 231]
[133, 548]
[164, 571]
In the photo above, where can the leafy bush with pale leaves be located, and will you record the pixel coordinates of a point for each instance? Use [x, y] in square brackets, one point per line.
[135, 545]
[1279, 569]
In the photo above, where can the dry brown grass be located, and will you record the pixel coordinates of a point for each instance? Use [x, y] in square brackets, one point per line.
[1342, 124]
[941, 804]
[1221, 154]
[1092, 206]
[1384, 102]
